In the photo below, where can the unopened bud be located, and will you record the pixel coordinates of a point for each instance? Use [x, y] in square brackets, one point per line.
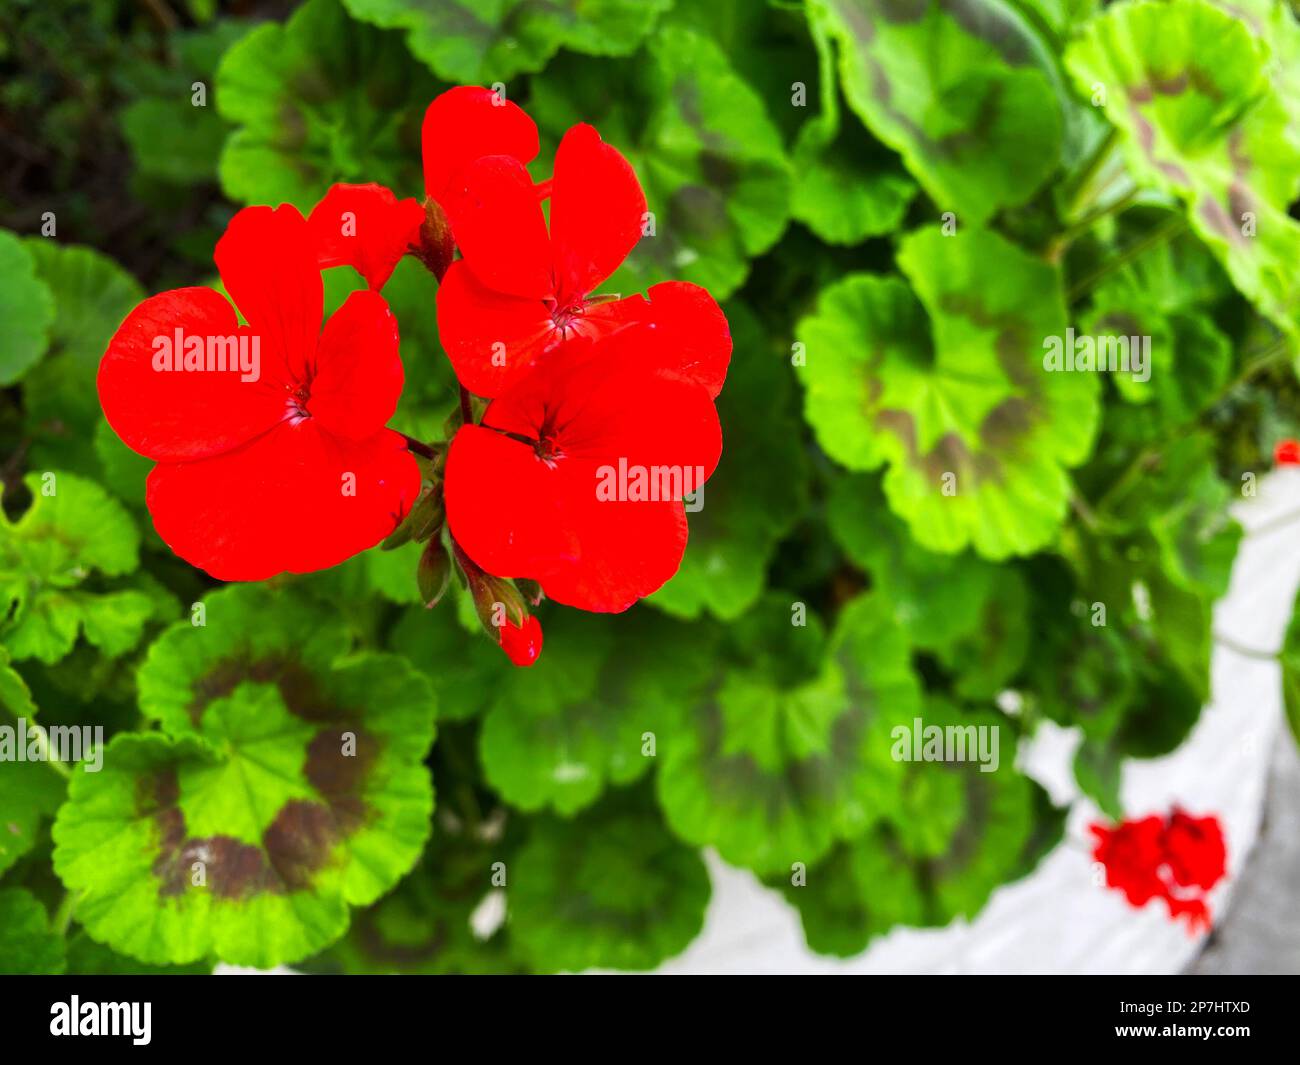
[496, 600]
[437, 245]
[433, 573]
[424, 519]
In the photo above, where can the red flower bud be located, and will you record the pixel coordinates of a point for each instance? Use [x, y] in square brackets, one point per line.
[522, 645]
[1287, 453]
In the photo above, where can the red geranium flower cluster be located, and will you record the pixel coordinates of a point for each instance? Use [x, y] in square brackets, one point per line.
[1177, 859]
[270, 437]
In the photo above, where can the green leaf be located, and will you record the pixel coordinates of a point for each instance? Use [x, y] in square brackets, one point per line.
[1082, 673]
[1181, 361]
[424, 925]
[1290, 659]
[287, 800]
[1097, 768]
[956, 90]
[976, 435]
[857, 892]
[593, 710]
[29, 791]
[760, 488]
[612, 890]
[959, 834]
[1172, 293]
[28, 947]
[251, 633]
[712, 164]
[967, 611]
[317, 100]
[390, 574]
[464, 666]
[47, 554]
[123, 471]
[1185, 84]
[26, 308]
[1060, 16]
[88, 958]
[1127, 637]
[790, 752]
[92, 295]
[464, 41]
[15, 696]
[292, 769]
[936, 598]
[715, 172]
[845, 188]
[986, 657]
[172, 138]
[1274, 22]
[1182, 506]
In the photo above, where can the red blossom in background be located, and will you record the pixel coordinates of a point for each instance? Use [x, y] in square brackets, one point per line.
[1195, 850]
[520, 291]
[1177, 859]
[1287, 453]
[293, 471]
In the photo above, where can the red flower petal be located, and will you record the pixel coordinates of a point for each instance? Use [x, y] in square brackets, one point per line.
[536, 510]
[267, 262]
[1195, 850]
[1195, 910]
[608, 401]
[517, 517]
[597, 210]
[628, 550]
[295, 499]
[365, 227]
[693, 335]
[490, 337]
[358, 377]
[502, 506]
[178, 414]
[500, 228]
[522, 644]
[468, 122]
[1132, 854]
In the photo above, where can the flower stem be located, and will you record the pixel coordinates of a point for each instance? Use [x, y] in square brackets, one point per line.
[423, 450]
[1154, 238]
[1246, 652]
[43, 743]
[63, 915]
[1098, 159]
[1255, 361]
[466, 408]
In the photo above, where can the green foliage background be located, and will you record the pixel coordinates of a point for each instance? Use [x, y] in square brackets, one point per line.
[897, 201]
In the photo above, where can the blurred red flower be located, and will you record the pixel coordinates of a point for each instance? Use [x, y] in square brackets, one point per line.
[1177, 859]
